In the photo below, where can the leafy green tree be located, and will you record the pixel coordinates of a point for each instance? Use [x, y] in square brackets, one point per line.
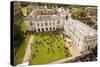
[18, 33]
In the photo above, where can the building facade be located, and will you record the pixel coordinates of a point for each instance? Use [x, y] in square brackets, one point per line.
[82, 36]
[45, 19]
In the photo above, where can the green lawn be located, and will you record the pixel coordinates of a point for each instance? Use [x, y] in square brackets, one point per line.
[48, 47]
[18, 58]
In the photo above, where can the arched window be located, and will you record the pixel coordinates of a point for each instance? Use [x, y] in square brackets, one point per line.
[47, 29]
[50, 28]
[39, 30]
[42, 29]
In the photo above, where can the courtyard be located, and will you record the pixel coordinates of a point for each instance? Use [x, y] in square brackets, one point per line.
[48, 47]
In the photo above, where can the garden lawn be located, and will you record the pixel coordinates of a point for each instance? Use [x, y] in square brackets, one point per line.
[18, 58]
[48, 47]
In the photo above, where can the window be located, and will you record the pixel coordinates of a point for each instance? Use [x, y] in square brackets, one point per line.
[53, 28]
[46, 23]
[50, 28]
[42, 29]
[66, 17]
[53, 23]
[46, 28]
[37, 24]
[41, 24]
[39, 30]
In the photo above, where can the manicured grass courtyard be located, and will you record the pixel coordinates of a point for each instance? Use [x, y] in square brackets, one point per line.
[48, 47]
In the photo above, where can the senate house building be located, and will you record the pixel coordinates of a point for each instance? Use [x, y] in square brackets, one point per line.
[44, 19]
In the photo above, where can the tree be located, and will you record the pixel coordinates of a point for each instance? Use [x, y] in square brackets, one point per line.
[18, 33]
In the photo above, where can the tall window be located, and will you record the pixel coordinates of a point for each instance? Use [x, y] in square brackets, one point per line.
[37, 24]
[53, 23]
[41, 24]
[50, 23]
[53, 28]
[46, 23]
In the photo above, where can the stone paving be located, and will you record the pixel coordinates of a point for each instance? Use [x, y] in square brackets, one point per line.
[28, 50]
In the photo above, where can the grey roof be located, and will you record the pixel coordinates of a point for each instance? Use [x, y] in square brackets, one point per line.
[47, 17]
[83, 28]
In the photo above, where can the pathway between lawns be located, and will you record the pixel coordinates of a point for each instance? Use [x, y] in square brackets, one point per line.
[28, 50]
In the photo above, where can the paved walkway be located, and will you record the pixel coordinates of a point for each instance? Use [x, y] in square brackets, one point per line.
[62, 60]
[73, 50]
[28, 50]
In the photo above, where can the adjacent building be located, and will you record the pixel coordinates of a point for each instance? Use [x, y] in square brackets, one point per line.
[91, 11]
[82, 36]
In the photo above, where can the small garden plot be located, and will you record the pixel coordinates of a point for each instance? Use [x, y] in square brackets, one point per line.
[24, 10]
[48, 47]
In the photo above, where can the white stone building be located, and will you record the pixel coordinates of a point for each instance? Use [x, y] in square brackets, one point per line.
[82, 36]
[44, 19]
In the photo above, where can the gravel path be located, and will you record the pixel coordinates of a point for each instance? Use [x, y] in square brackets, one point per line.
[28, 50]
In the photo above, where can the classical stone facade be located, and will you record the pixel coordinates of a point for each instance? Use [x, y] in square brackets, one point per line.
[44, 19]
[82, 36]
